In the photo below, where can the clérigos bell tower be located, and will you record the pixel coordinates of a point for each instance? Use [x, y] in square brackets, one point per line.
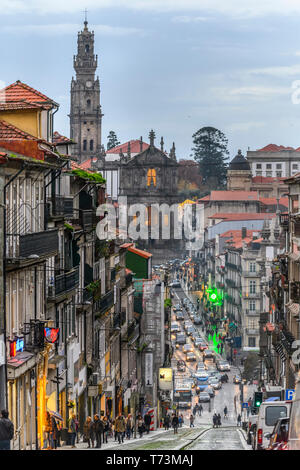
[85, 113]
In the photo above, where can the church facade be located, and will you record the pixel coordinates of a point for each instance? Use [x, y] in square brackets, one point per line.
[85, 113]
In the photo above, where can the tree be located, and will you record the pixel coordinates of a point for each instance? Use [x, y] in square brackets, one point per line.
[210, 151]
[112, 140]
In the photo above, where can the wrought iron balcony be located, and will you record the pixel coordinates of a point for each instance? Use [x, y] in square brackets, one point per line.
[132, 332]
[104, 304]
[251, 274]
[42, 244]
[252, 331]
[254, 313]
[64, 283]
[60, 206]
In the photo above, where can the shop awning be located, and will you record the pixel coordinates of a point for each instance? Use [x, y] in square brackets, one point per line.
[55, 415]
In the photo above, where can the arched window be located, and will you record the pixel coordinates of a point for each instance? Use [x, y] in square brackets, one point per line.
[91, 144]
[88, 103]
[151, 176]
[87, 48]
[84, 144]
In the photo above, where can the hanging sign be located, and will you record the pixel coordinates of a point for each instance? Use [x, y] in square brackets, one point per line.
[51, 334]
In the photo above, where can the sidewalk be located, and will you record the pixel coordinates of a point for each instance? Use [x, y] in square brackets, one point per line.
[112, 444]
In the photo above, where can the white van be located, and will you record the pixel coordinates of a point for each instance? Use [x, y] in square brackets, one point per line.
[269, 412]
[294, 425]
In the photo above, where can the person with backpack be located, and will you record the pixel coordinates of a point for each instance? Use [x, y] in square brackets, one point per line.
[6, 431]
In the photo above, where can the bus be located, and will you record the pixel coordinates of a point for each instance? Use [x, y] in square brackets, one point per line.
[294, 425]
[182, 395]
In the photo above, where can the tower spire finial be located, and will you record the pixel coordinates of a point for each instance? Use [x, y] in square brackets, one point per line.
[85, 19]
[152, 137]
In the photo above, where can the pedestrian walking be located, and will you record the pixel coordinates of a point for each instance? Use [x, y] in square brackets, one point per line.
[88, 432]
[167, 422]
[140, 426]
[194, 410]
[219, 420]
[54, 433]
[73, 430]
[215, 420]
[200, 409]
[106, 425]
[225, 412]
[175, 423]
[6, 431]
[147, 421]
[182, 420]
[239, 420]
[192, 421]
[120, 428]
[98, 430]
[128, 426]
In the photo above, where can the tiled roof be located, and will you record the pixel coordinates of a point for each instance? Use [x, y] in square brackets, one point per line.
[19, 91]
[61, 139]
[242, 216]
[18, 105]
[266, 179]
[142, 253]
[134, 147]
[86, 164]
[204, 199]
[233, 196]
[235, 237]
[10, 132]
[276, 148]
[272, 201]
[126, 245]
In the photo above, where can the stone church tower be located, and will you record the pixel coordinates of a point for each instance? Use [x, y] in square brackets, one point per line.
[239, 175]
[85, 114]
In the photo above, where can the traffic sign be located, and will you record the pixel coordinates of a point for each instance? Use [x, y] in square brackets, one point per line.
[245, 405]
[289, 394]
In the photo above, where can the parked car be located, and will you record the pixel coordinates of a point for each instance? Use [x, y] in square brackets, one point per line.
[179, 316]
[197, 320]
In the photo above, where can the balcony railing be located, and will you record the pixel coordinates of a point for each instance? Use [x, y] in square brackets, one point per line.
[250, 313]
[132, 332]
[64, 283]
[104, 304]
[251, 274]
[251, 295]
[25, 246]
[252, 331]
[60, 206]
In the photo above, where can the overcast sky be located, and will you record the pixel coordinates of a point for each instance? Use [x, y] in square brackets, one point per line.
[171, 65]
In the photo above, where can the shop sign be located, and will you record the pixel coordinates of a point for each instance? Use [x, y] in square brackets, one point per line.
[165, 379]
[16, 346]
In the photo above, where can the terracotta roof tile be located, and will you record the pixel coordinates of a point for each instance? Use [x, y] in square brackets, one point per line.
[19, 91]
[232, 196]
[10, 132]
[134, 147]
[61, 139]
[272, 201]
[242, 216]
[18, 105]
[276, 148]
[142, 253]
[86, 164]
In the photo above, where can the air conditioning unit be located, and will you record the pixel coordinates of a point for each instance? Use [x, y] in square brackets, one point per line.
[95, 378]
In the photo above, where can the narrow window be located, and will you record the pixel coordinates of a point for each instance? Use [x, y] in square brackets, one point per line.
[84, 144]
[91, 144]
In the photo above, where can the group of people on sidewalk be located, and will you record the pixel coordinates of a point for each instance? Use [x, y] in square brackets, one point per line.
[97, 432]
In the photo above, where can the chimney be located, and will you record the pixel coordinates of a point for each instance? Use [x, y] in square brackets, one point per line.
[141, 144]
[244, 232]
